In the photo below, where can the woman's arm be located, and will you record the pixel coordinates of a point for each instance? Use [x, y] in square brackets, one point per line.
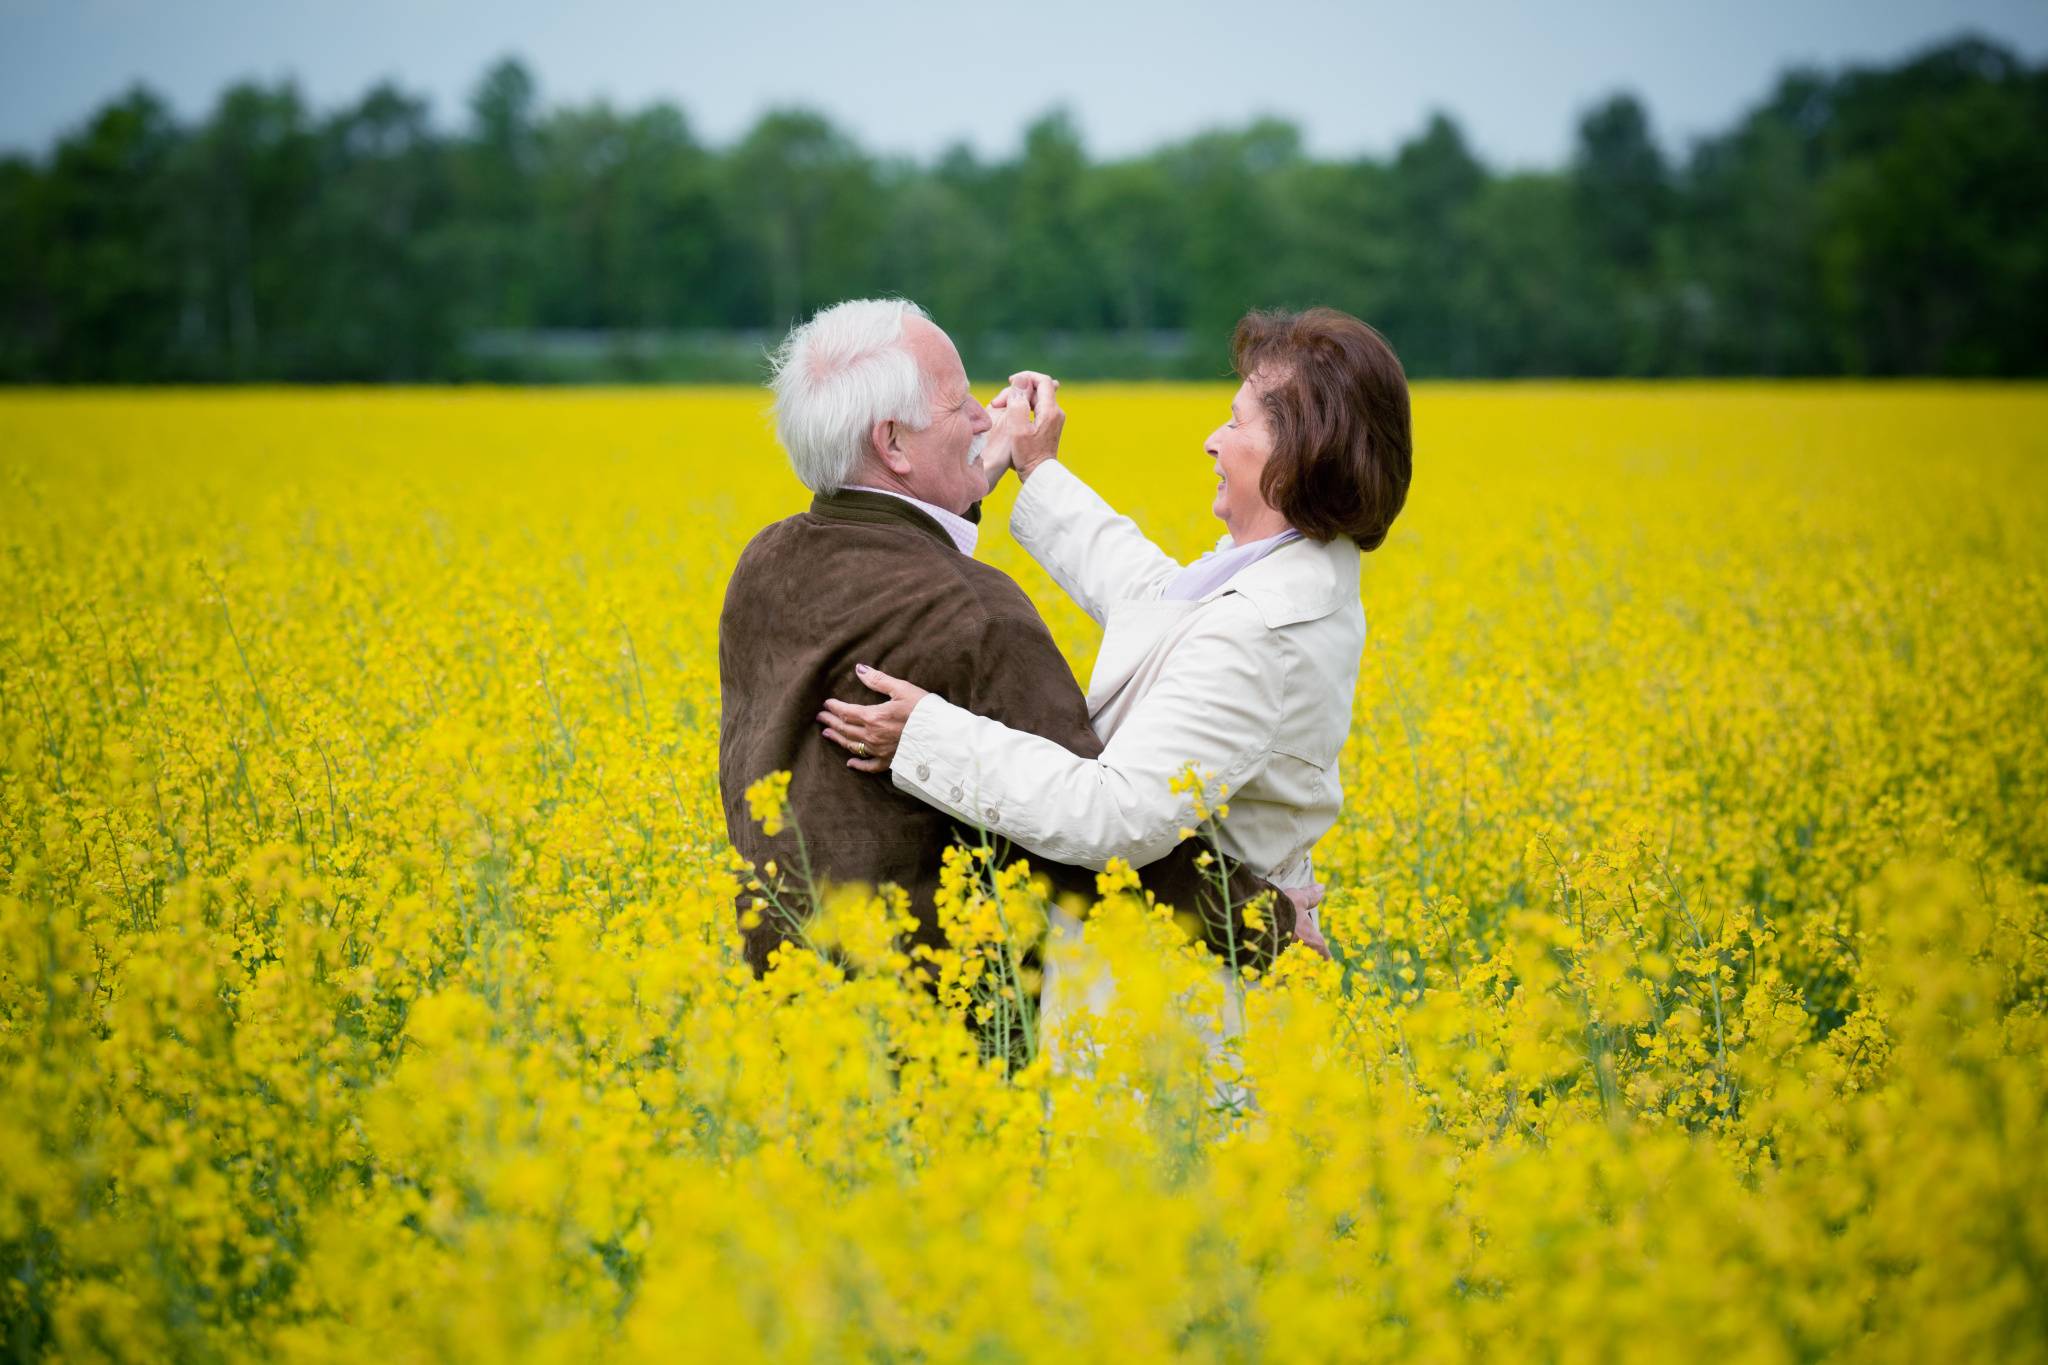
[1093, 551]
[1217, 707]
[1017, 674]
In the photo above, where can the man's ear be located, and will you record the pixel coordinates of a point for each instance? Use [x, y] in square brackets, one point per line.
[888, 450]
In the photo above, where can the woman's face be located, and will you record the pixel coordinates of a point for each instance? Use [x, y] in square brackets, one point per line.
[1240, 448]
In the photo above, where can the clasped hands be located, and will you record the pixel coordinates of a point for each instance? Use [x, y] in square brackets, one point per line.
[1028, 422]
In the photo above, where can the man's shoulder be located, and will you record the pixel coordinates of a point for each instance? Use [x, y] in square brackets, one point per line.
[802, 544]
[898, 563]
[806, 533]
[763, 561]
[773, 537]
[994, 592]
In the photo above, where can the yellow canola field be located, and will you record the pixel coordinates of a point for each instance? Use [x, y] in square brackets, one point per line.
[369, 985]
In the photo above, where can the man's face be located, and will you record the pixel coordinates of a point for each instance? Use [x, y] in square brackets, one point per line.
[945, 458]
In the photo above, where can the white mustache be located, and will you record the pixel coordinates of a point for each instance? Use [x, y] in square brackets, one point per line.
[974, 451]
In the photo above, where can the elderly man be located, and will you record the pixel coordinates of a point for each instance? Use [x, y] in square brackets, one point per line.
[873, 407]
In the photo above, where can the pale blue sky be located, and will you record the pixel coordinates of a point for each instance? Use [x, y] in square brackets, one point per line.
[912, 76]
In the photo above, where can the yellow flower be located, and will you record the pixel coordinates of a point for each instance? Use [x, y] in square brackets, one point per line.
[766, 801]
[367, 939]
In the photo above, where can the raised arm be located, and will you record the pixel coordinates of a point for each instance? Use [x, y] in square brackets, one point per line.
[1093, 551]
[1097, 555]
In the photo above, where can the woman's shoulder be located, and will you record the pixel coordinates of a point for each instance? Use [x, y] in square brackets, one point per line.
[1304, 581]
[1307, 642]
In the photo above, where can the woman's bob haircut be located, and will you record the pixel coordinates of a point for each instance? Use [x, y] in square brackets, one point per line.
[1337, 399]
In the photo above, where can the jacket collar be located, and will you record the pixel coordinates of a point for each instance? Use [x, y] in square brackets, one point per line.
[1300, 581]
[881, 509]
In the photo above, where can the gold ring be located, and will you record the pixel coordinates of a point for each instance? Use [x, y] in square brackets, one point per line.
[860, 748]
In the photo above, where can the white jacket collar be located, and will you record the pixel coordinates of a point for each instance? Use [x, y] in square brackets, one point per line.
[1301, 581]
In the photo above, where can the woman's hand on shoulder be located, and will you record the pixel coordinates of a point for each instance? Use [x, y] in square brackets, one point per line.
[871, 733]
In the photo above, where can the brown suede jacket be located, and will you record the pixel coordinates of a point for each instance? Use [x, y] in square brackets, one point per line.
[867, 578]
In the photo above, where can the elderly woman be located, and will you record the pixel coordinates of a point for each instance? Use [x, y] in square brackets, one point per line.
[1242, 664]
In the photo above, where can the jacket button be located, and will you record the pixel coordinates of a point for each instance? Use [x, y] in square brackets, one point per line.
[924, 772]
[956, 793]
[995, 817]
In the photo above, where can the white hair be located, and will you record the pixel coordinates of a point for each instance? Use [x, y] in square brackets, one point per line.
[839, 374]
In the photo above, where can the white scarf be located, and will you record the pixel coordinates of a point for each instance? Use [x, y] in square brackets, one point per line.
[1216, 568]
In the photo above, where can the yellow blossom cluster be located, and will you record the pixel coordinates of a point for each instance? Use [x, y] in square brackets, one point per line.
[370, 979]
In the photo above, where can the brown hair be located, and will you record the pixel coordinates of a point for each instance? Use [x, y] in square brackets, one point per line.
[1338, 401]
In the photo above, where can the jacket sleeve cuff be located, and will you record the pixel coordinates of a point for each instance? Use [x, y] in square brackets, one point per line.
[928, 755]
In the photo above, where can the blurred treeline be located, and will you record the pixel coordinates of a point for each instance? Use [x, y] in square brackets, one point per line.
[1869, 221]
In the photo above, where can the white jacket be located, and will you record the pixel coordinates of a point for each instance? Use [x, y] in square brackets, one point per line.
[1253, 682]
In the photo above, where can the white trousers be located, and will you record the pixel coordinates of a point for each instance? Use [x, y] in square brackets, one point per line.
[1074, 985]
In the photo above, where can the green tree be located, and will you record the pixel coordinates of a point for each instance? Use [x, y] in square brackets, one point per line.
[109, 248]
[1621, 201]
[807, 203]
[1932, 254]
[630, 223]
[1435, 186]
[1883, 220]
[499, 246]
[1344, 233]
[27, 310]
[939, 245]
[250, 175]
[384, 298]
[1536, 303]
[1749, 277]
[1132, 220]
[1048, 276]
[1223, 184]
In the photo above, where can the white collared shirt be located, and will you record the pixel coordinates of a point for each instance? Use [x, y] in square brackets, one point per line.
[964, 532]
